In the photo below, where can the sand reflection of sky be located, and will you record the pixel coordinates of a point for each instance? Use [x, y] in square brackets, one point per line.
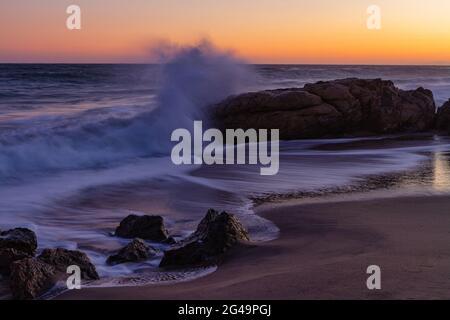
[441, 170]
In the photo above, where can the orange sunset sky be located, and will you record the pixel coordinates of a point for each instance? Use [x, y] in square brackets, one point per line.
[260, 31]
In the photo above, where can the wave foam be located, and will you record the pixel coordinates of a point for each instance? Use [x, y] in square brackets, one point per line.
[193, 78]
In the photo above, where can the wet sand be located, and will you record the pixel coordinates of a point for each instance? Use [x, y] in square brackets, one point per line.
[323, 252]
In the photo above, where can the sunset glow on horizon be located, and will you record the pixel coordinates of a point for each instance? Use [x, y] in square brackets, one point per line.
[259, 31]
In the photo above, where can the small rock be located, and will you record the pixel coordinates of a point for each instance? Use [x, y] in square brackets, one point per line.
[223, 230]
[30, 278]
[215, 234]
[135, 251]
[144, 227]
[21, 239]
[60, 259]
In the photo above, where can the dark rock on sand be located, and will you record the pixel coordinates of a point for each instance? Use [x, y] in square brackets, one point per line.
[135, 251]
[332, 108]
[30, 278]
[60, 259]
[216, 233]
[8, 256]
[443, 118]
[20, 239]
[145, 227]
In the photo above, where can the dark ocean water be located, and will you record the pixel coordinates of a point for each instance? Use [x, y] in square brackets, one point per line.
[28, 90]
[80, 145]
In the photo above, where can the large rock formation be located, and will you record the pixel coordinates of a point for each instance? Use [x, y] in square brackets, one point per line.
[216, 234]
[145, 227]
[135, 251]
[331, 108]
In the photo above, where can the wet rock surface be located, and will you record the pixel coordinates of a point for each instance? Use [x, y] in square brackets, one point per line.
[30, 278]
[330, 109]
[20, 239]
[137, 250]
[60, 259]
[144, 227]
[215, 234]
[8, 256]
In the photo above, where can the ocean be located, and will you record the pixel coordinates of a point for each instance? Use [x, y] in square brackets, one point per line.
[82, 146]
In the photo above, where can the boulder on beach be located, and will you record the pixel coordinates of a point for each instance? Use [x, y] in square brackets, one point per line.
[60, 259]
[30, 278]
[137, 250]
[20, 239]
[216, 234]
[443, 118]
[331, 108]
[145, 227]
[8, 256]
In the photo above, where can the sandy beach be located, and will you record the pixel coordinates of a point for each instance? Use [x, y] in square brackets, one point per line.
[323, 252]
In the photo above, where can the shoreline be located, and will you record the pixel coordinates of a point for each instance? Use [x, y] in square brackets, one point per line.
[367, 188]
[322, 253]
[132, 197]
[362, 189]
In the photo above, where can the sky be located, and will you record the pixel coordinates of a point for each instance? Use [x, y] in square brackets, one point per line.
[259, 31]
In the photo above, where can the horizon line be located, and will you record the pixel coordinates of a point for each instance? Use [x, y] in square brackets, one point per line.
[255, 64]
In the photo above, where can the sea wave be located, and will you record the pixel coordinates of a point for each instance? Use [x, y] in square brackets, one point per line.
[192, 79]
